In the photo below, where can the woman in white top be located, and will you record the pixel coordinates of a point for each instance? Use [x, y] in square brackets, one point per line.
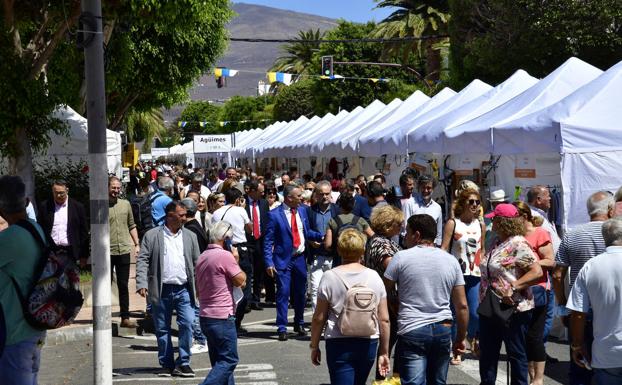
[463, 237]
[350, 358]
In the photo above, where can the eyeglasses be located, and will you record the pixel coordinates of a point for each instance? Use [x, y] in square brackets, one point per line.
[60, 193]
[474, 202]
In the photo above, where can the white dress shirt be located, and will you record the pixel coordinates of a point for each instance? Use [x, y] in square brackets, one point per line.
[250, 207]
[434, 210]
[299, 224]
[174, 264]
[59, 228]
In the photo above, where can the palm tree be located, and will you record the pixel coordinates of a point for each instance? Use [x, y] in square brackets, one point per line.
[300, 55]
[146, 126]
[416, 18]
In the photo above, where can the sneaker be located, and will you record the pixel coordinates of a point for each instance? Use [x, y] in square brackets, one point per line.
[183, 371]
[198, 348]
[163, 372]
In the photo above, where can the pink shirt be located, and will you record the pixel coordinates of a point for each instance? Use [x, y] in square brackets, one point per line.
[214, 271]
[540, 237]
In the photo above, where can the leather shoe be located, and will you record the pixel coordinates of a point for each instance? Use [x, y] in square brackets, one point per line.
[301, 330]
[256, 306]
[282, 336]
[128, 323]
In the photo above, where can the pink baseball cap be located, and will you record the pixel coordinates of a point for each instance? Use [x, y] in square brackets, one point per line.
[505, 210]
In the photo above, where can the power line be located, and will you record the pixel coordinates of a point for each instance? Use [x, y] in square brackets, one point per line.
[364, 40]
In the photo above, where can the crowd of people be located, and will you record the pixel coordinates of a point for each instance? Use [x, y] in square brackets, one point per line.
[389, 273]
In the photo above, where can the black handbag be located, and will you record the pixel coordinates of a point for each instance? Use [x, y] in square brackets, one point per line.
[493, 307]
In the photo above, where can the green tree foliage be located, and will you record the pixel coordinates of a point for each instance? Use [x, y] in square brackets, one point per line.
[491, 39]
[238, 113]
[415, 18]
[145, 126]
[295, 100]
[299, 55]
[200, 111]
[333, 95]
[154, 51]
[162, 52]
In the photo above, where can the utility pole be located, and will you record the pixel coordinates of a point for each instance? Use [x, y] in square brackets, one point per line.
[91, 21]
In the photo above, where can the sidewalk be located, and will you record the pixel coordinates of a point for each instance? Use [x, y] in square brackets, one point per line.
[82, 327]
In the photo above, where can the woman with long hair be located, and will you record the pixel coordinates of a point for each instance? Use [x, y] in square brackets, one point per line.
[540, 242]
[463, 237]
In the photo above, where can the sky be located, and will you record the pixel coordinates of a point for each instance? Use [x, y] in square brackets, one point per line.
[351, 10]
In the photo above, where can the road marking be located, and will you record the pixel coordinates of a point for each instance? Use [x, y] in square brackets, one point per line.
[470, 367]
[272, 319]
[257, 374]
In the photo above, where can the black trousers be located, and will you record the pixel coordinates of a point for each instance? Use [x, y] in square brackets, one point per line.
[246, 265]
[120, 264]
[259, 273]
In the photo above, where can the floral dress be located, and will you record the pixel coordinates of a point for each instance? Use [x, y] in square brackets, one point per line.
[378, 248]
[508, 262]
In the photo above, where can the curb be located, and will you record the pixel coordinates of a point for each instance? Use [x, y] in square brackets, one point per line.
[70, 334]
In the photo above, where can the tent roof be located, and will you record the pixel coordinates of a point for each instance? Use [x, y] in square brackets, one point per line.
[430, 137]
[366, 146]
[587, 120]
[475, 135]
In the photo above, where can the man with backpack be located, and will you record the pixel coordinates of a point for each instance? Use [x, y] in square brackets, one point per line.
[160, 199]
[19, 258]
[123, 238]
[429, 280]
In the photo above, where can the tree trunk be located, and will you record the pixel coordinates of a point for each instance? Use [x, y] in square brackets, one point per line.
[21, 164]
[432, 61]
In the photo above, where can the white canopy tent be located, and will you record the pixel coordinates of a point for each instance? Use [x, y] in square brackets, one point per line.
[430, 137]
[337, 141]
[75, 146]
[475, 89]
[387, 142]
[586, 128]
[411, 104]
[280, 143]
[475, 136]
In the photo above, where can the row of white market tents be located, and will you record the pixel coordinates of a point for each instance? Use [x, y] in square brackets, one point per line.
[567, 126]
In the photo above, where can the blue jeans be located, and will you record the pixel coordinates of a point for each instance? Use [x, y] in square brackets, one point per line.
[513, 336]
[576, 374]
[550, 308]
[424, 354]
[471, 289]
[222, 340]
[19, 364]
[197, 334]
[177, 297]
[610, 376]
[349, 360]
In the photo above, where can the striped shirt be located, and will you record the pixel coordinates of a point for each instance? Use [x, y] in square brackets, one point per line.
[579, 246]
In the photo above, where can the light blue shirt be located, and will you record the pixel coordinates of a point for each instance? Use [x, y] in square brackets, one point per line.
[599, 287]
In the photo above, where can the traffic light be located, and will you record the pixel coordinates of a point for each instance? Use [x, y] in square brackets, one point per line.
[327, 66]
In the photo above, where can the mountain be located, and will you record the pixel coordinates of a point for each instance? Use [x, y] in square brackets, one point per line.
[253, 21]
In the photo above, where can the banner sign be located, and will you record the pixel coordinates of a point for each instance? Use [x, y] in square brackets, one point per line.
[212, 143]
[158, 152]
[146, 157]
[525, 167]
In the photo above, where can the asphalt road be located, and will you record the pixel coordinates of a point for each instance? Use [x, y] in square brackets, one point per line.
[263, 360]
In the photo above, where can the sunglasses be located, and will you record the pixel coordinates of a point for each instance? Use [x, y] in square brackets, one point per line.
[474, 202]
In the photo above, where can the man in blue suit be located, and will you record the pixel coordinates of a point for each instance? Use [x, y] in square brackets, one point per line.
[284, 246]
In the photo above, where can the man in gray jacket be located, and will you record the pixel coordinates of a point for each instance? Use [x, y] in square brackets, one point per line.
[165, 273]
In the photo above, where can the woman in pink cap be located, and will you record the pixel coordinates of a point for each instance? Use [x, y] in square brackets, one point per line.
[508, 270]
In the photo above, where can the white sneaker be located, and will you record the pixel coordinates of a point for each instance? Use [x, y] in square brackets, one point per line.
[198, 348]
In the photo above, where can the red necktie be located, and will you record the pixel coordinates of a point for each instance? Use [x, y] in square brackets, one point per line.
[255, 221]
[295, 234]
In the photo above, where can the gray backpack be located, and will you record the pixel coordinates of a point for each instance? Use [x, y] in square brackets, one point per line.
[358, 317]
